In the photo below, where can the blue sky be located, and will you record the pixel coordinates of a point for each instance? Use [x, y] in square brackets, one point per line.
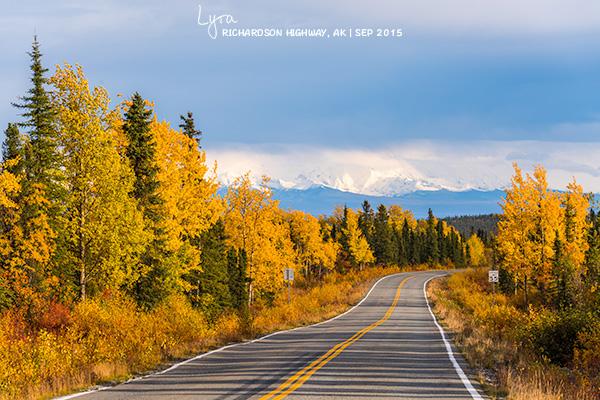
[463, 72]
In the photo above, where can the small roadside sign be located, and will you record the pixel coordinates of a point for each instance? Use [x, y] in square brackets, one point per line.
[288, 274]
[493, 276]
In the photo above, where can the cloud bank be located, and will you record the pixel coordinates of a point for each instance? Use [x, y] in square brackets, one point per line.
[411, 165]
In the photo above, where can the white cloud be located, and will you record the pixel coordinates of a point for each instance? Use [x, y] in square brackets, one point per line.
[507, 17]
[412, 165]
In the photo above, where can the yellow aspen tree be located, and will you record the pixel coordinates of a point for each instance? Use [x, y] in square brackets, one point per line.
[255, 225]
[312, 251]
[359, 247]
[476, 250]
[515, 226]
[103, 229]
[397, 216]
[11, 235]
[548, 222]
[25, 254]
[189, 194]
[575, 205]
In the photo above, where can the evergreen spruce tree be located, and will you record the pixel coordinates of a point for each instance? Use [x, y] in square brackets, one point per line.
[559, 288]
[399, 247]
[141, 149]
[238, 281]
[188, 127]
[12, 149]
[382, 237]
[406, 256]
[442, 249]
[416, 248]
[42, 192]
[366, 222]
[592, 258]
[468, 255]
[432, 240]
[343, 237]
[213, 294]
[41, 158]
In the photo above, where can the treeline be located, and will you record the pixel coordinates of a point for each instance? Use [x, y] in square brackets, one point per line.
[97, 199]
[394, 236]
[485, 226]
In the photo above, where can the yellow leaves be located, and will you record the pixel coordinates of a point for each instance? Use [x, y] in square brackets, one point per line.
[103, 230]
[255, 225]
[9, 186]
[312, 250]
[189, 193]
[534, 218]
[359, 247]
[576, 204]
[476, 250]
[398, 216]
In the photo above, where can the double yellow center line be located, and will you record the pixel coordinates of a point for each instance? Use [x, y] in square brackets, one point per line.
[298, 379]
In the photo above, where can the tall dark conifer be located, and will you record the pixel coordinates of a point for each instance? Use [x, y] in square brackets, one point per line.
[366, 222]
[41, 158]
[12, 149]
[188, 126]
[238, 280]
[432, 239]
[382, 237]
[212, 283]
[141, 151]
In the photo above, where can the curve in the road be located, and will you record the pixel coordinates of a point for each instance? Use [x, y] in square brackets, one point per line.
[387, 346]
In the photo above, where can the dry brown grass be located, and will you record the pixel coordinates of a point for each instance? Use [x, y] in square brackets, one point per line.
[487, 329]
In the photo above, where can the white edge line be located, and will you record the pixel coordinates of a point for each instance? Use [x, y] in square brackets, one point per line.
[461, 374]
[172, 367]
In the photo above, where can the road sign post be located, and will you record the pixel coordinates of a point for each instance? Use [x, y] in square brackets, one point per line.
[494, 277]
[288, 276]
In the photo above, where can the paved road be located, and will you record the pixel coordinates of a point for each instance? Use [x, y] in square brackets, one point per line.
[387, 347]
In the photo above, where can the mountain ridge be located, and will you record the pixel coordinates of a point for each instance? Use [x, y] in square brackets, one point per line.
[321, 200]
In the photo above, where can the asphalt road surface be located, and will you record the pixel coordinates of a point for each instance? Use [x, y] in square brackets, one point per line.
[387, 347]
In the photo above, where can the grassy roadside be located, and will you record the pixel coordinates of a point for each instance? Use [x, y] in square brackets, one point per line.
[109, 340]
[494, 336]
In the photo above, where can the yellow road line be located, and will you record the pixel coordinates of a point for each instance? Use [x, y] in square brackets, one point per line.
[298, 379]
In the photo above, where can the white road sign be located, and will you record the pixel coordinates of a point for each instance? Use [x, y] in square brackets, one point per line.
[288, 274]
[493, 276]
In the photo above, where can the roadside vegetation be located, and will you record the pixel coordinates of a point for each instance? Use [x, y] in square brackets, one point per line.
[537, 336]
[117, 252]
[109, 338]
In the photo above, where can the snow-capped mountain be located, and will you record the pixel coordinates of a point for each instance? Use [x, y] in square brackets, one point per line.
[375, 183]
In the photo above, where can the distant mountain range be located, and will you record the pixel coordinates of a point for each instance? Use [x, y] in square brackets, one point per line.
[319, 200]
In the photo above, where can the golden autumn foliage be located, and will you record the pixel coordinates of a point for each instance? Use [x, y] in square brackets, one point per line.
[312, 250]
[399, 215]
[109, 338]
[189, 194]
[500, 341]
[576, 206]
[536, 223]
[476, 250]
[359, 247]
[103, 229]
[26, 244]
[255, 225]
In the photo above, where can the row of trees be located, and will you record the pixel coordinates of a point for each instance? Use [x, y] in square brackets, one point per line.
[95, 199]
[548, 240]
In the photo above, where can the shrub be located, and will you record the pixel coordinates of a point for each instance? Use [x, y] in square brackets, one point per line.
[554, 334]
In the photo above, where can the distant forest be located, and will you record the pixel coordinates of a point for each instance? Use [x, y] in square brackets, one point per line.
[484, 226]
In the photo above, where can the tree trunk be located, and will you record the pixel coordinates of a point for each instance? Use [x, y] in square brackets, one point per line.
[526, 294]
[82, 271]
